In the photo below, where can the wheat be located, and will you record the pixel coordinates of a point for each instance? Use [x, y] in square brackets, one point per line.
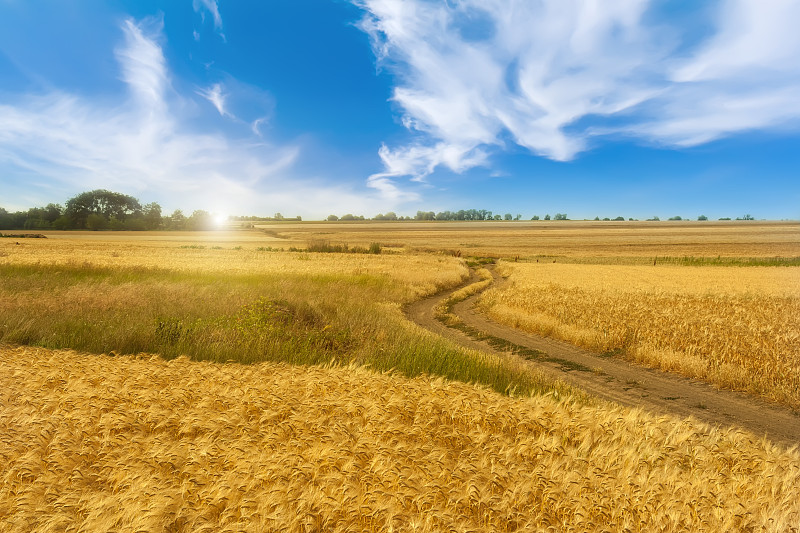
[99, 443]
[735, 327]
[422, 274]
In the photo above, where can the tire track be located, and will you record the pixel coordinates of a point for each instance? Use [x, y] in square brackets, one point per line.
[614, 379]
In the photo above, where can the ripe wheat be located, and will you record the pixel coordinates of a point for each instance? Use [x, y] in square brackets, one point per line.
[735, 327]
[99, 443]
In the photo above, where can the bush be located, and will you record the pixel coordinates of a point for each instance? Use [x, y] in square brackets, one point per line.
[322, 246]
[62, 223]
[96, 222]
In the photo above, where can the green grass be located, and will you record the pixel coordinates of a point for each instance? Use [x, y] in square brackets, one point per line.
[297, 318]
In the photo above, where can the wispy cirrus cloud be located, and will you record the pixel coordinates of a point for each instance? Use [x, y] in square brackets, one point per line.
[143, 142]
[556, 76]
[211, 7]
[744, 77]
[142, 63]
[217, 98]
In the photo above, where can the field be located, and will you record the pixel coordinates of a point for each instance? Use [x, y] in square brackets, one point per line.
[99, 443]
[736, 327]
[630, 242]
[220, 382]
[222, 301]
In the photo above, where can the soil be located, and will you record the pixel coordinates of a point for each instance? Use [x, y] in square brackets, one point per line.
[614, 379]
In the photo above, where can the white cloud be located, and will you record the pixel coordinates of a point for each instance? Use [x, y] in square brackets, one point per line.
[744, 77]
[752, 37]
[143, 65]
[210, 6]
[255, 126]
[554, 76]
[142, 144]
[214, 95]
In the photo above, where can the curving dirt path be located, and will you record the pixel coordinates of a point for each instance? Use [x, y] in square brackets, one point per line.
[617, 380]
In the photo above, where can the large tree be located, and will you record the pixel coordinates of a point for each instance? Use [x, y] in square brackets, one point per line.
[101, 202]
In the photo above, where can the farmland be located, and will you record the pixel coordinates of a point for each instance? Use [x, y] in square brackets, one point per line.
[576, 241]
[736, 327]
[230, 303]
[218, 381]
[99, 443]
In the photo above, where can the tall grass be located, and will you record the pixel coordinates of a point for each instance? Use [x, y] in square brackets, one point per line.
[323, 246]
[291, 317]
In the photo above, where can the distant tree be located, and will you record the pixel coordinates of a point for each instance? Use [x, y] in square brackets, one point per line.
[176, 221]
[547, 217]
[332, 218]
[597, 218]
[348, 216]
[535, 217]
[425, 215]
[497, 217]
[746, 217]
[101, 202]
[6, 220]
[391, 215]
[560, 216]
[702, 217]
[200, 221]
[518, 217]
[675, 218]
[618, 219]
[34, 219]
[51, 213]
[151, 216]
[654, 219]
[508, 216]
[725, 218]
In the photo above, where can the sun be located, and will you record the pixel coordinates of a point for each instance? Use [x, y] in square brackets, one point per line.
[220, 219]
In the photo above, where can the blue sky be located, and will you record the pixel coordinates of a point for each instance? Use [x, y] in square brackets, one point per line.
[591, 108]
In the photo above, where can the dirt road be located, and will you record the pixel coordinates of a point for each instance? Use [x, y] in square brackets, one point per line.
[617, 380]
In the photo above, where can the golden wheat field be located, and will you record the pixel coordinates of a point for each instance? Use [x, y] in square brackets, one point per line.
[736, 327]
[136, 443]
[91, 442]
[225, 252]
[573, 240]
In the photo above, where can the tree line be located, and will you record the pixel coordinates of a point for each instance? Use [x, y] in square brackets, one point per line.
[100, 210]
[462, 214]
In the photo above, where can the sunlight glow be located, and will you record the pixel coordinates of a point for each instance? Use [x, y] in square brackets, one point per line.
[220, 218]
